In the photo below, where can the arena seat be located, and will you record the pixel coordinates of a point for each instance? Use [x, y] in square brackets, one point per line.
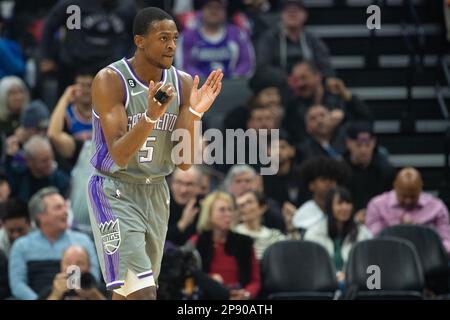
[400, 271]
[295, 269]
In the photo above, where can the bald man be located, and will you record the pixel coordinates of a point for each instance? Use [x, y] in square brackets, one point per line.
[73, 256]
[408, 204]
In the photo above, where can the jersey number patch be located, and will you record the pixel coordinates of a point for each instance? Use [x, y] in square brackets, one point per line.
[148, 157]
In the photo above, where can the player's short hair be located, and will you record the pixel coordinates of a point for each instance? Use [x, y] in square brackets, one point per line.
[146, 17]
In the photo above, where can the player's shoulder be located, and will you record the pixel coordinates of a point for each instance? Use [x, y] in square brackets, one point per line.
[107, 81]
[184, 76]
[186, 81]
[106, 75]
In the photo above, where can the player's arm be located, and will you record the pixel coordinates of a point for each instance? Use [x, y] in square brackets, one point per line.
[108, 96]
[195, 102]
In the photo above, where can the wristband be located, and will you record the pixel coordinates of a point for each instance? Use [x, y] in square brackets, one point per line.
[198, 114]
[147, 118]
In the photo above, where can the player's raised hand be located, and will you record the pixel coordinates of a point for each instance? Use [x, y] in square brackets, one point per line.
[202, 99]
[155, 108]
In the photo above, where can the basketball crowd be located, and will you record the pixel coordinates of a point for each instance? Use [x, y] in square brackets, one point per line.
[335, 185]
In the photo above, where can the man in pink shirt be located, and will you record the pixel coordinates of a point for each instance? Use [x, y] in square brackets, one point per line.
[407, 204]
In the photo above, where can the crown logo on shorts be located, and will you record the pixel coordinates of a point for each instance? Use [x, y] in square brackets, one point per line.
[110, 233]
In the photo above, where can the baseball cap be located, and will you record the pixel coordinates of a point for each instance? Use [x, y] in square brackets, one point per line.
[35, 115]
[298, 3]
[361, 131]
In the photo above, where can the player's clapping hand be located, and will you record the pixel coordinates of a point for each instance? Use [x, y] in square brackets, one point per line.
[156, 108]
[202, 99]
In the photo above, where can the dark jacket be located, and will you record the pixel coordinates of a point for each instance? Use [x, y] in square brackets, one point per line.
[236, 245]
[24, 185]
[294, 120]
[369, 182]
[4, 286]
[105, 33]
[174, 235]
[274, 49]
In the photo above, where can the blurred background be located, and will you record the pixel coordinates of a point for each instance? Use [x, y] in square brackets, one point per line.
[364, 146]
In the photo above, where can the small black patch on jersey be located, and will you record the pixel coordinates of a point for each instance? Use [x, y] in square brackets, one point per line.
[131, 83]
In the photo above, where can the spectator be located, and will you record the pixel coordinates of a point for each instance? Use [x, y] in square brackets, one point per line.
[285, 185]
[70, 123]
[249, 17]
[372, 173]
[260, 120]
[4, 286]
[215, 44]
[89, 289]
[184, 188]
[15, 222]
[287, 43]
[33, 121]
[266, 86]
[408, 204]
[81, 173]
[226, 256]
[308, 88]
[251, 206]
[35, 258]
[319, 175]
[12, 62]
[14, 97]
[322, 139]
[5, 189]
[105, 35]
[40, 171]
[338, 232]
[241, 178]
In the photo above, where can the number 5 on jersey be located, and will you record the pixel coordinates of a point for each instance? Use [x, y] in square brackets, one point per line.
[148, 150]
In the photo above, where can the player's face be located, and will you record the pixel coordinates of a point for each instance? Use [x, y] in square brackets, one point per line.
[160, 43]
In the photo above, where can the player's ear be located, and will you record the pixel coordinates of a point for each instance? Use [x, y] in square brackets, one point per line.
[139, 41]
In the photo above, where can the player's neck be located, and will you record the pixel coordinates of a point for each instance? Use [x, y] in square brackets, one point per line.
[145, 71]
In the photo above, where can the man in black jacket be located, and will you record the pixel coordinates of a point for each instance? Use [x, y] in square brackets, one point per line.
[184, 208]
[287, 43]
[308, 87]
[372, 173]
[104, 35]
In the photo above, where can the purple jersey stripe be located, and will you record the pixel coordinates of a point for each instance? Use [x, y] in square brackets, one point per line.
[103, 213]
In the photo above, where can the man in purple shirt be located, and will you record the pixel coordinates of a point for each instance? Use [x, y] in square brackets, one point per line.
[407, 204]
[215, 44]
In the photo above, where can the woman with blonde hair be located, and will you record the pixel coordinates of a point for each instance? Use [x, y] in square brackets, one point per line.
[226, 256]
[14, 96]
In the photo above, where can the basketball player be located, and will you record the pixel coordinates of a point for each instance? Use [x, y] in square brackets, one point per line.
[137, 103]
